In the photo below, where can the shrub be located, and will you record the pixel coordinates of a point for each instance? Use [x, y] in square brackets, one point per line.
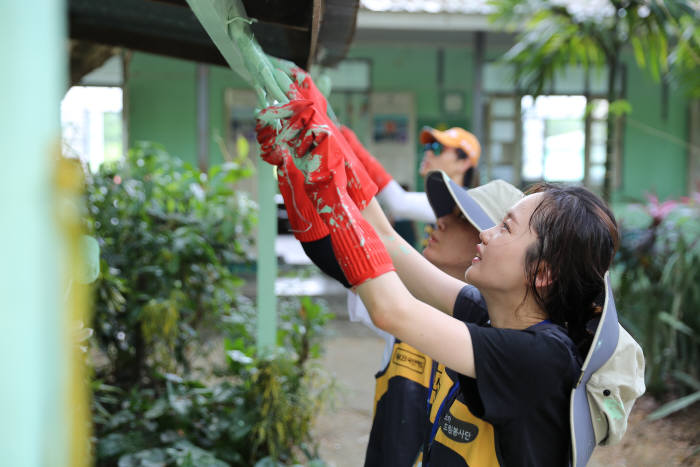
[657, 286]
[177, 377]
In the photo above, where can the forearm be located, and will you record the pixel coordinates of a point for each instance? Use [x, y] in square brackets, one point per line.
[424, 280]
[393, 309]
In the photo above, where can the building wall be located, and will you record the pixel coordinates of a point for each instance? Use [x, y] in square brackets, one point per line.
[162, 94]
[415, 69]
[655, 147]
[220, 78]
[162, 103]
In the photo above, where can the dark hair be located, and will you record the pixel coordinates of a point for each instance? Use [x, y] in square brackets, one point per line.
[577, 237]
[471, 176]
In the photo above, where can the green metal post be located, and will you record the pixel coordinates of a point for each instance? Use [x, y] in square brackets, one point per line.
[267, 258]
[33, 350]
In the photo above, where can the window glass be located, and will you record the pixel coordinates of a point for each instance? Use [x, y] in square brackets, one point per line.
[503, 107]
[91, 124]
[553, 138]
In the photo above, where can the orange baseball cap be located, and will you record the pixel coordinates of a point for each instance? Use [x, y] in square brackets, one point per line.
[454, 138]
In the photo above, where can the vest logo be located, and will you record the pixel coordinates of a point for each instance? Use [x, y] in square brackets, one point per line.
[410, 360]
[458, 430]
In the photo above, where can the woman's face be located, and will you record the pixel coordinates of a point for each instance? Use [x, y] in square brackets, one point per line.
[452, 245]
[446, 161]
[500, 260]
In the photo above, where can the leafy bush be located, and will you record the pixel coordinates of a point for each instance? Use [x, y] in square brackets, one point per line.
[177, 378]
[658, 291]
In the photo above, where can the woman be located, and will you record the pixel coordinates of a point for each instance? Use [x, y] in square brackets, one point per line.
[455, 151]
[517, 362]
[513, 372]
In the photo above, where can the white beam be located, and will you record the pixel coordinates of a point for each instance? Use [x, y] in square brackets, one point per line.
[397, 21]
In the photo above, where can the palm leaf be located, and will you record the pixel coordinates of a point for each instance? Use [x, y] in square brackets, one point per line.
[686, 379]
[676, 324]
[674, 406]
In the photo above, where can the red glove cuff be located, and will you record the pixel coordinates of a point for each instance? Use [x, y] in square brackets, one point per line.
[357, 247]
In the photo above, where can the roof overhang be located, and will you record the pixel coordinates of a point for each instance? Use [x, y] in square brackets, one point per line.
[303, 31]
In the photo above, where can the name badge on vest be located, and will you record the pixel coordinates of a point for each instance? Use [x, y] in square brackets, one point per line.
[458, 430]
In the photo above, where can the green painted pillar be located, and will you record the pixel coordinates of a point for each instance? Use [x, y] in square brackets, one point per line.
[33, 351]
[267, 258]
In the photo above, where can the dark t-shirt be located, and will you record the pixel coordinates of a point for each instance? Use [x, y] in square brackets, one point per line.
[523, 384]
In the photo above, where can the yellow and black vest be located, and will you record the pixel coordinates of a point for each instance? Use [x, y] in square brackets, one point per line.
[456, 437]
[399, 427]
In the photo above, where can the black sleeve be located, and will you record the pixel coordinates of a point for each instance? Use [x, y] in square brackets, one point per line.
[470, 306]
[320, 252]
[516, 370]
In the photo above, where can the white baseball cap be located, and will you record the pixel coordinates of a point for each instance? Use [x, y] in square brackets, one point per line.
[484, 206]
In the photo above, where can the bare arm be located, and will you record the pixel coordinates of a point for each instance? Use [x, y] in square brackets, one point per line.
[424, 280]
[436, 334]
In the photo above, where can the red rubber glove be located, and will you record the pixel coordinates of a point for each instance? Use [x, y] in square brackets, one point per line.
[375, 170]
[320, 155]
[305, 223]
[361, 188]
[361, 185]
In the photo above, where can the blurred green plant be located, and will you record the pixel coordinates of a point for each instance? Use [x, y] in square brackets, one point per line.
[657, 283]
[665, 39]
[177, 377]
[168, 234]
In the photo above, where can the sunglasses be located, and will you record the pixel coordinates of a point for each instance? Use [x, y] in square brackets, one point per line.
[434, 146]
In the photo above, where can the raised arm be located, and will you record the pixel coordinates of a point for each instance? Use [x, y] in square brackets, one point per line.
[438, 335]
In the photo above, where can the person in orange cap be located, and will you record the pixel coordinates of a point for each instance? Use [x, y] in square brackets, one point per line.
[455, 151]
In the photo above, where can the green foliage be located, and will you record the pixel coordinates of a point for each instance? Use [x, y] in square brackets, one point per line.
[663, 35]
[684, 60]
[657, 284]
[620, 107]
[177, 379]
[168, 235]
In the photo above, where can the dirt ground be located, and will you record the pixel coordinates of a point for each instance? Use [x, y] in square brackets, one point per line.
[353, 354]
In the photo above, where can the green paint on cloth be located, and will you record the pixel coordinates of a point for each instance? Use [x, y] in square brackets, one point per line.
[308, 164]
[614, 409]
